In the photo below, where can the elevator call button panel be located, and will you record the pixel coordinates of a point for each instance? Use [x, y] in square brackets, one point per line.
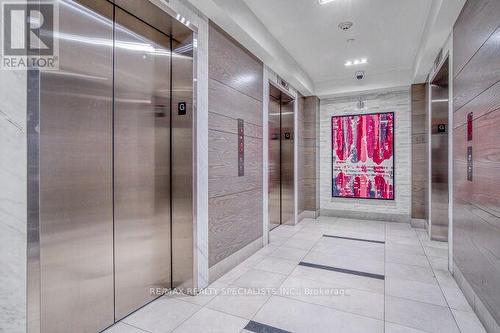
[241, 148]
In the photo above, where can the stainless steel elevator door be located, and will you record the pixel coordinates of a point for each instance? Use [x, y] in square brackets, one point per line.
[141, 162]
[274, 182]
[76, 205]
[439, 160]
[287, 161]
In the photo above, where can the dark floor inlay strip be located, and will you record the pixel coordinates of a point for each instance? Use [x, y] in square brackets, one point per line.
[342, 270]
[262, 328]
[356, 239]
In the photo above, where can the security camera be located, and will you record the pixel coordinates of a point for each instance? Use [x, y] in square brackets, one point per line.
[360, 75]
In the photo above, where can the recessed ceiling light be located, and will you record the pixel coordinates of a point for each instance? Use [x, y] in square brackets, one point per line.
[356, 62]
[322, 2]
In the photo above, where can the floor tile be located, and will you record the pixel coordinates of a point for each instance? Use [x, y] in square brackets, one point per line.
[123, 328]
[276, 265]
[409, 272]
[423, 316]
[289, 253]
[345, 299]
[403, 241]
[395, 328]
[211, 321]
[406, 233]
[433, 251]
[439, 263]
[339, 279]
[342, 247]
[283, 231]
[202, 299]
[407, 259]
[468, 322]
[255, 278]
[406, 249]
[296, 316]
[275, 240]
[456, 299]
[342, 260]
[232, 275]
[238, 304]
[162, 315]
[300, 243]
[416, 291]
[445, 278]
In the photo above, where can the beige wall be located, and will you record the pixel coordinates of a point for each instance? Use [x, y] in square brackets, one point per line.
[235, 91]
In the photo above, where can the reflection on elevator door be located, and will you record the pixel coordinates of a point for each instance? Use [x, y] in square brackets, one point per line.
[105, 167]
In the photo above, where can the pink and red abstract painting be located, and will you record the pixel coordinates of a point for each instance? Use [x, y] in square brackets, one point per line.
[363, 156]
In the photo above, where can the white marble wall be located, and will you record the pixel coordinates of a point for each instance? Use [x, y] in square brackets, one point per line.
[13, 170]
[400, 208]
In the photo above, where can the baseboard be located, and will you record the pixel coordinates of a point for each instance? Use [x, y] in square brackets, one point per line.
[418, 223]
[475, 302]
[401, 218]
[228, 263]
[306, 214]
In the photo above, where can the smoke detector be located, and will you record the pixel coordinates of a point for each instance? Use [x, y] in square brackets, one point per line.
[345, 25]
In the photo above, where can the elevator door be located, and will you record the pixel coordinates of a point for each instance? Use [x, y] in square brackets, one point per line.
[141, 162]
[274, 163]
[281, 158]
[439, 157]
[76, 174]
[104, 186]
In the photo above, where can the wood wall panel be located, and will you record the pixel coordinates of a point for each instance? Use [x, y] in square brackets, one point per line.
[233, 65]
[223, 164]
[476, 203]
[420, 159]
[485, 103]
[217, 122]
[235, 91]
[231, 103]
[476, 23]
[480, 73]
[232, 220]
[307, 178]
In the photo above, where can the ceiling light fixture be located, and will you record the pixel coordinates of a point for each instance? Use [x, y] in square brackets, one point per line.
[322, 2]
[356, 62]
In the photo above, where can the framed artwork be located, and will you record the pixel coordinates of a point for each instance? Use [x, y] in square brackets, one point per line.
[363, 156]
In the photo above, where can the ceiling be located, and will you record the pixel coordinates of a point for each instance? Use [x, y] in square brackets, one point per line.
[386, 32]
[301, 40]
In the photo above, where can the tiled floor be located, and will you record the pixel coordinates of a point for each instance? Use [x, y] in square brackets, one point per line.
[370, 277]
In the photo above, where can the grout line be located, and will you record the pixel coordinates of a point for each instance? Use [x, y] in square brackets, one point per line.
[287, 276]
[355, 239]
[140, 329]
[440, 287]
